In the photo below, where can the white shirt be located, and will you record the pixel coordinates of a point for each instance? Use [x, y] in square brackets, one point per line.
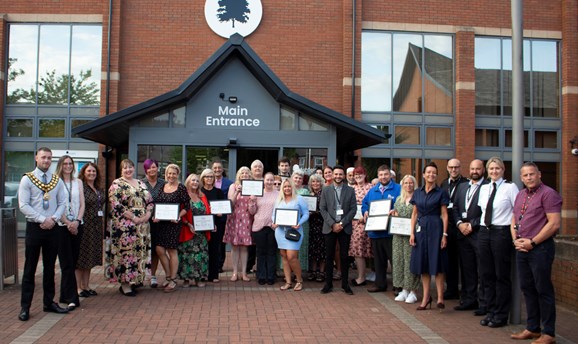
[503, 202]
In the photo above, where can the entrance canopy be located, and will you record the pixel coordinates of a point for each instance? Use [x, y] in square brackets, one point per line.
[113, 130]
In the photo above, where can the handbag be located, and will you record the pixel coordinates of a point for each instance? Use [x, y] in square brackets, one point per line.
[292, 234]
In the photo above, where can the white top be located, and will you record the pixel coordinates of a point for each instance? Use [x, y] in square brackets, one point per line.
[72, 196]
[503, 202]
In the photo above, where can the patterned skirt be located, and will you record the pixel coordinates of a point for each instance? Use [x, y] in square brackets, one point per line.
[194, 258]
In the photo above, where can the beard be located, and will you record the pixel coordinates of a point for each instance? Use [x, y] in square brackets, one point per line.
[475, 177]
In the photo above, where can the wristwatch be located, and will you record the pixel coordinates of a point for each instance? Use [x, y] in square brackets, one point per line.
[79, 221]
[533, 243]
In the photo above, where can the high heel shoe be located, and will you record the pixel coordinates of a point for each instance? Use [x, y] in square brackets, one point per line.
[421, 308]
[441, 306]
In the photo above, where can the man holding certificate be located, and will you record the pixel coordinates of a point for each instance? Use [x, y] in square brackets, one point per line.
[338, 208]
[381, 240]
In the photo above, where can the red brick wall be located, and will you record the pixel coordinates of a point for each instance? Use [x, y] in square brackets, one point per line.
[565, 273]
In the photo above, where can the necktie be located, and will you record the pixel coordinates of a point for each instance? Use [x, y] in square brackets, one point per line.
[44, 179]
[490, 206]
[44, 201]
[382, 188]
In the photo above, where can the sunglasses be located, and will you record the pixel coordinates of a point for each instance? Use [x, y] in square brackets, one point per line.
[276, 183]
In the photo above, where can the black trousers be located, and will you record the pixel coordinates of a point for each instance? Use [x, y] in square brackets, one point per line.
[266, 253]
[331, 240]
[496, 250]
[453, 273]
[251, 257]
[382, 252]
[469, 258]
[38, 240]
[535, 271]
[68, 251]
[216, 247]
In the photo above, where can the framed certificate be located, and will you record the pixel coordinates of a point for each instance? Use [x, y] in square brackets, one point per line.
[203, 223]
[311, 202]
[380, 207]
[252, 188]
[221, 207]
[376, 223]
[358, 214]
[400, 225]
[167, 211]
[286, 217]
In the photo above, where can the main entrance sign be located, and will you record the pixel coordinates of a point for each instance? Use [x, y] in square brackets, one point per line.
[227, 17]
[232, 117]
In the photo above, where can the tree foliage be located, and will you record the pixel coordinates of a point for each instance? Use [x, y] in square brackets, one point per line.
[233, 10]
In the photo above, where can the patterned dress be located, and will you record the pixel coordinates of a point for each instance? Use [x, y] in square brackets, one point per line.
[402, 277]
[240, 223]
[168, 231]
[127, 244]
[360, 245]
[316, 239]
[155, 191]
[194, 253]
[91, 240]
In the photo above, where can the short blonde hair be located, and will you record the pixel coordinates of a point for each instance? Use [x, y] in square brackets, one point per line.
[241, 170]
[173, 166]
[205, 172]
[495, 160]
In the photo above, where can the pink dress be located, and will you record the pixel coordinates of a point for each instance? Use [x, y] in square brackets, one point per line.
[360, 245]
[240, 222]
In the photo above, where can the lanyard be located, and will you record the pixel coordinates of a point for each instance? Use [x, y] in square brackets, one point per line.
[337, 196]
[470, 194]
[529, 196]
[69, 191]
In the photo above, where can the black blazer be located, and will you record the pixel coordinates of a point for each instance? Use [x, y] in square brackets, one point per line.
[445, 185]
[474, 212]
[327, 207]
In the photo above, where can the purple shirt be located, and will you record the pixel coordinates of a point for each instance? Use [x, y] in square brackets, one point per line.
[544, 200]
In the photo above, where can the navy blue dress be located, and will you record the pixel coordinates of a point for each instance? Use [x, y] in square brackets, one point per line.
[427, 257]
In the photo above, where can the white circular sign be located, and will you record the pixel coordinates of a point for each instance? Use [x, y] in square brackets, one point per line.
[227, 17]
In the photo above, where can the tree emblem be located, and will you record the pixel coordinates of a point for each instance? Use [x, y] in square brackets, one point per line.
[233, 10]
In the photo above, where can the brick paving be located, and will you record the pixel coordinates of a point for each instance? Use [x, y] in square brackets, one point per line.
[244, 312]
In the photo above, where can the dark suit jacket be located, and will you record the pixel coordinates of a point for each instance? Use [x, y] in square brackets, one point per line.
[474, 212]
[445, 185]
[225, 185]
[328, 206]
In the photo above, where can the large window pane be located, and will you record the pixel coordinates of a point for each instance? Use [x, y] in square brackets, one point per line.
[307, 123]
[306, 158]
[376, 67]
[17, 163]
[508, 142]
[19, 128]
[404, 166]
[546, 139]
[85, 64]
[407, 64]
[22, 64]
[288, 119]
[385, 129]
[200, 158]
[163, 154]
[78, 122]
[487, 137]
[439, 74]
[407, 135]
[54, 128]
[372, 164]
[53, 64]
[156, 121]
[178, 118]
[487, 73]
[545, 84]
[438, 136]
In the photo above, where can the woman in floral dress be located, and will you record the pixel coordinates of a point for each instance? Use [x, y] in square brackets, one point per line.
[128, 234]
[360, 246]
[194, 247]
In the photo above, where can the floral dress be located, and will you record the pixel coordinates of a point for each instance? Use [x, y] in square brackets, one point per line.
[91, 240]
[194, 253]
[360, 245]
[316, 239]
[240, 223]
[168, 231]
[401, 252]
[127, 244]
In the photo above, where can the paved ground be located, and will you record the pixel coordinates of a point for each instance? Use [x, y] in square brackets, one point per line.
[244, 312]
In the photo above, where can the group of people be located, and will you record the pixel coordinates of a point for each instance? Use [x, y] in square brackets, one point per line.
[478, 222]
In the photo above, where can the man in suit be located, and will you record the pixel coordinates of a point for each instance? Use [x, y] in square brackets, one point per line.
[223, 183]
[338, 207]
[466, 215]
[450, 185]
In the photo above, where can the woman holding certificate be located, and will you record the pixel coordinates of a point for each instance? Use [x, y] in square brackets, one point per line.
[316, 247]
[290, 213]
[401, 250]
[239, 225]
[194, 248]
[214, 194]
[429, 235]
[171, 204]
[360, 246]
[128, 236]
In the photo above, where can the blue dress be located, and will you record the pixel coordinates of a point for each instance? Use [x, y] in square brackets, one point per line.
[427, 257]
[303, 216]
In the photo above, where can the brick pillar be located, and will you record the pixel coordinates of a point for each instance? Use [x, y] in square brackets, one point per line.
[465, 119]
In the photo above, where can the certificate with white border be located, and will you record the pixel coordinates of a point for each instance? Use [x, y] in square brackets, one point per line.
[358, 214]
[286, 217]
[167, 211]
[311, 202]
[400, 225]
[203, 223]
[221, 207]
[252, 188]
[380, 207]
[376, 223]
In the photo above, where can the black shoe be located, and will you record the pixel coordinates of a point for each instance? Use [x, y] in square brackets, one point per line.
[376, 290]
[24, 314]
[451, 296]
[72, 306]
[480, 312]
[262, 281]
[326, 289]
[270, 282]
[84, 293]
[347, 290]
[355, 284]
[130, 293]
[485, 321]
[466, 307]
[497, 323]
[91, 292]
[55, 308]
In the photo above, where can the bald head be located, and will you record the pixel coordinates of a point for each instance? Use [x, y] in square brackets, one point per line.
[477, 170]
[454, 168]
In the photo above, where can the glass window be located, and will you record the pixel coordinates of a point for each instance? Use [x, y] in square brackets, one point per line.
[407, 135]
[546, 139]
[508, 142]
[200, 158]
[19, 127]
[77, 122]
[307, 123]
[53, 64]
[487, 72]
[545, 79]
[54, 128]
[372, 164]
[385, 129]
[438, 136]
[178, 118]
[157, 121]
[163, 154]
[407, 63]
[85, 65]
[22, 64]
[288, 119]
[376, 66]
[439, 74]
[487, 137]
[17, 163]
[411, 166]
[306, 158]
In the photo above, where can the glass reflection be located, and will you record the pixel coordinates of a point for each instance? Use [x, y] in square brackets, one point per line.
[85, 64]
[163, 154]
[545, 85]
[407, 135]
[179, 117]
[19, 128]
[439, 74]
[376, 71]
[487, 137]
[51, 128]
[22, 64]
[53, 63]
[438, 136]
[487, 72]
[407, 62]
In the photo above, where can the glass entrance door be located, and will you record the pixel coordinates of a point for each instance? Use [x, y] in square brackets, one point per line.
[269, 158]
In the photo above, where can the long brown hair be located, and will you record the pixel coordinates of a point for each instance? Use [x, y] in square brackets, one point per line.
[82, 177]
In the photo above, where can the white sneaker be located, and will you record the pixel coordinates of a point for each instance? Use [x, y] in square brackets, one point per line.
[411, 298]
[370, 276]
[401, 296]
[154, 282]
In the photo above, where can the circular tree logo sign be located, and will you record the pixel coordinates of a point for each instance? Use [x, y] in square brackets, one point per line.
[227, 17]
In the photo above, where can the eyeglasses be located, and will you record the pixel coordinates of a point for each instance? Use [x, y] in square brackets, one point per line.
[452, 167]
[277, 184]
[209, 177]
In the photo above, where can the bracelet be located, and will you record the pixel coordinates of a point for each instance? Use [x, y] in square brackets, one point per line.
[445, 234]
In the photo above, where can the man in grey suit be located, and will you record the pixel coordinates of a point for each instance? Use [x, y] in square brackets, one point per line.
[337, 207]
